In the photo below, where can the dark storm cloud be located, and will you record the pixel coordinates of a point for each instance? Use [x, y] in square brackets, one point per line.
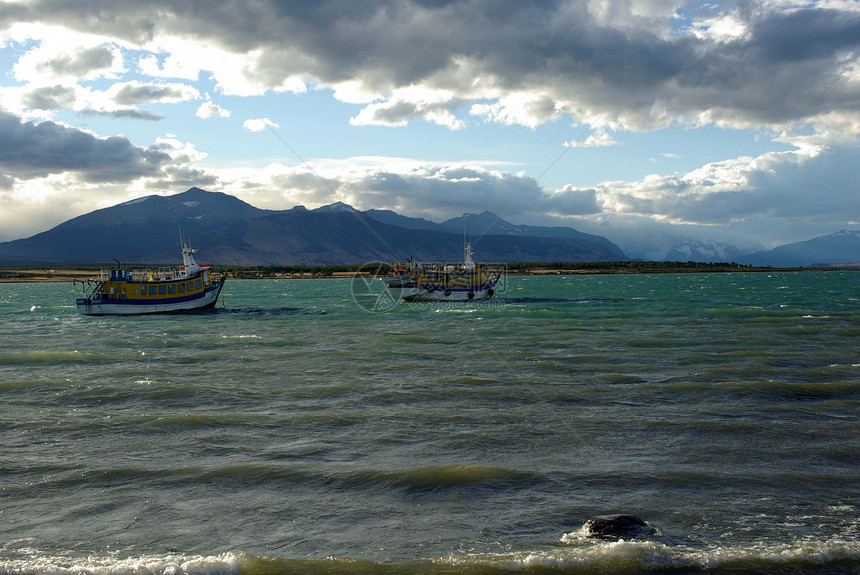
[624, 66]
[806, 35]
[30, 150]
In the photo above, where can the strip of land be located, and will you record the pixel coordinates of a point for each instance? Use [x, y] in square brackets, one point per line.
[348, 271]
[36, 275]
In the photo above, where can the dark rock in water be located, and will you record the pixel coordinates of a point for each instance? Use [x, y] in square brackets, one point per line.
[616, 527]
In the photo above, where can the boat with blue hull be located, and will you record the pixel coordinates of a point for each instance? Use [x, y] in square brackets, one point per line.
[159, 290]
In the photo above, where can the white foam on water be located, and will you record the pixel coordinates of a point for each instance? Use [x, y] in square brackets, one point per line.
[225, 564]
[634, 556]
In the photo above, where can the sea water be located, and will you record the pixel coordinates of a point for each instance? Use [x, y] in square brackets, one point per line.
[296, 429]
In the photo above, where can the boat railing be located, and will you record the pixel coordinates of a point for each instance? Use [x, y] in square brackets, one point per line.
[144, 275]
[439, 268]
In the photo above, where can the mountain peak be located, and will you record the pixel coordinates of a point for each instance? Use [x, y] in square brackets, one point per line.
[840, 247]
[481, 224]
[336, 207]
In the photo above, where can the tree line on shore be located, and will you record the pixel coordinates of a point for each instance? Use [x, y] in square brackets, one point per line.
[516, 268]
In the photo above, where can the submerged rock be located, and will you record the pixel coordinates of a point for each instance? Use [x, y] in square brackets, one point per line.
[616, 527]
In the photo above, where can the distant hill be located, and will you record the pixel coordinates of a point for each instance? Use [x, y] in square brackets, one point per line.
[228, 231]
[842, 247]
[133, 230]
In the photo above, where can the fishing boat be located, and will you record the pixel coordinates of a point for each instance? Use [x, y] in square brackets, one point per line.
[415, 281]
[132, 292]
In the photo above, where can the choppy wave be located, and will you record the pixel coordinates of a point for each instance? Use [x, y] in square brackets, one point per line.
[266, 311]
[435, 477]
[620, 558]
[47, 357]
[545, 300]
[652, 557]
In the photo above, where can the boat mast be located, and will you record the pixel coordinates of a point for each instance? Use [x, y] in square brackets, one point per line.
[468, 263]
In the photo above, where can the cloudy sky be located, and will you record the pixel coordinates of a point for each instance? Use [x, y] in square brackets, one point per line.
[645, 121]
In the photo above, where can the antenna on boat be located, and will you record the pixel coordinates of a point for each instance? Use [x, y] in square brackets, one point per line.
[118, 265]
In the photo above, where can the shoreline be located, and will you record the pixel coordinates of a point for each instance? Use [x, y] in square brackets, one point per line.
[30, 275]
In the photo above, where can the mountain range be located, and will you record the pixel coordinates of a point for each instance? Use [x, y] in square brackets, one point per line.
[842, 247]
[837, 249]
[230, 232]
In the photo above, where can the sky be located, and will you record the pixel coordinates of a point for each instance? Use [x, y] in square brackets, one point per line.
[649, 122]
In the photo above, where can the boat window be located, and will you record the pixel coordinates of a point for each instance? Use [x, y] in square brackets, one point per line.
[199, 284]
[152, 290]
[162, 290]
[190, 286]
[171, 288]
[181, 288]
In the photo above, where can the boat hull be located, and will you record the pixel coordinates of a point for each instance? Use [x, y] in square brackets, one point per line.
[407, 289]
[112, 306]
[412, 294]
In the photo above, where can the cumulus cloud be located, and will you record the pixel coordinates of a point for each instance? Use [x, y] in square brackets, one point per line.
[407, 104]
[259, 124]
[777, 186]
[519, 108]
[600, 138]
[210, 110]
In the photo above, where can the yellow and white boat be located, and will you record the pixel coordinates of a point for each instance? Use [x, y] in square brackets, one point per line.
[415, 281]
[132, 292]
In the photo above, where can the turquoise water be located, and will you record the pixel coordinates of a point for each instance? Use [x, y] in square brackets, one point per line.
[292, 431]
